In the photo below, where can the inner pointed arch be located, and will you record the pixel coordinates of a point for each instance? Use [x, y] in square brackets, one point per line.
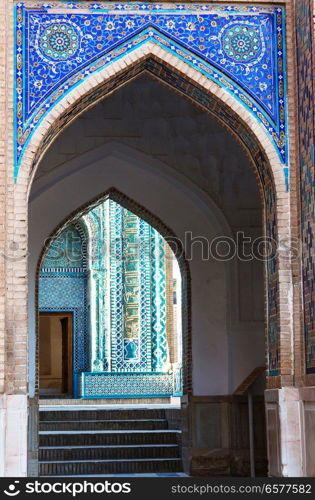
[148, 270]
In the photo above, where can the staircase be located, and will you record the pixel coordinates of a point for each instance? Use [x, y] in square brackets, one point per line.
[83, 442]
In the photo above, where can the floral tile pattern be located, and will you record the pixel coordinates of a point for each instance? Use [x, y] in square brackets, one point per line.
[240, 47]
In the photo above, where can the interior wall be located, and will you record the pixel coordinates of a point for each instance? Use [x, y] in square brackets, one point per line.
[176, 161]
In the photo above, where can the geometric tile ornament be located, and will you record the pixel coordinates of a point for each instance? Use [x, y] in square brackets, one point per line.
[239, 47]
[120, 385]
[160, 351]
[137, 293]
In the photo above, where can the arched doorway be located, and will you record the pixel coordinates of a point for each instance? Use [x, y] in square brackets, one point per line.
[119, 284]
[184, 207]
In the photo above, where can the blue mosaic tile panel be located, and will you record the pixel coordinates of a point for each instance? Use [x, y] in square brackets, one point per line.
[126, 385]
[138, 339]
[240, 47]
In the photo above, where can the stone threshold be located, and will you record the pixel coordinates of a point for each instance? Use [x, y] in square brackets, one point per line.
[117, 404]
[138, 431]
[110, 461]
[106, 446]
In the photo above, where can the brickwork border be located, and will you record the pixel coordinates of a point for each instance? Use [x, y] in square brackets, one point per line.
[16, 333]
[3, 135]
[298, 334]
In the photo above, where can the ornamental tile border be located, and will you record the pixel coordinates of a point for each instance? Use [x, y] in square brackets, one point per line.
[60, 44]
[126, 385]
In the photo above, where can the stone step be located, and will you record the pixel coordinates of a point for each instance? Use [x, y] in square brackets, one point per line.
[100, 452]
[110, 466]
[92, 438]
[108, 414]
[143, 424]
[96, 442]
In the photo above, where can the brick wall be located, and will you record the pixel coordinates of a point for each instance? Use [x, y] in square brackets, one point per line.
[2, 188]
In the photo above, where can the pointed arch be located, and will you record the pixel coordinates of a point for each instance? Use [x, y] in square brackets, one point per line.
[169, 236]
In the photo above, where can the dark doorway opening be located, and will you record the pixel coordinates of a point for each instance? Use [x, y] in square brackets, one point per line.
[55, 354]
